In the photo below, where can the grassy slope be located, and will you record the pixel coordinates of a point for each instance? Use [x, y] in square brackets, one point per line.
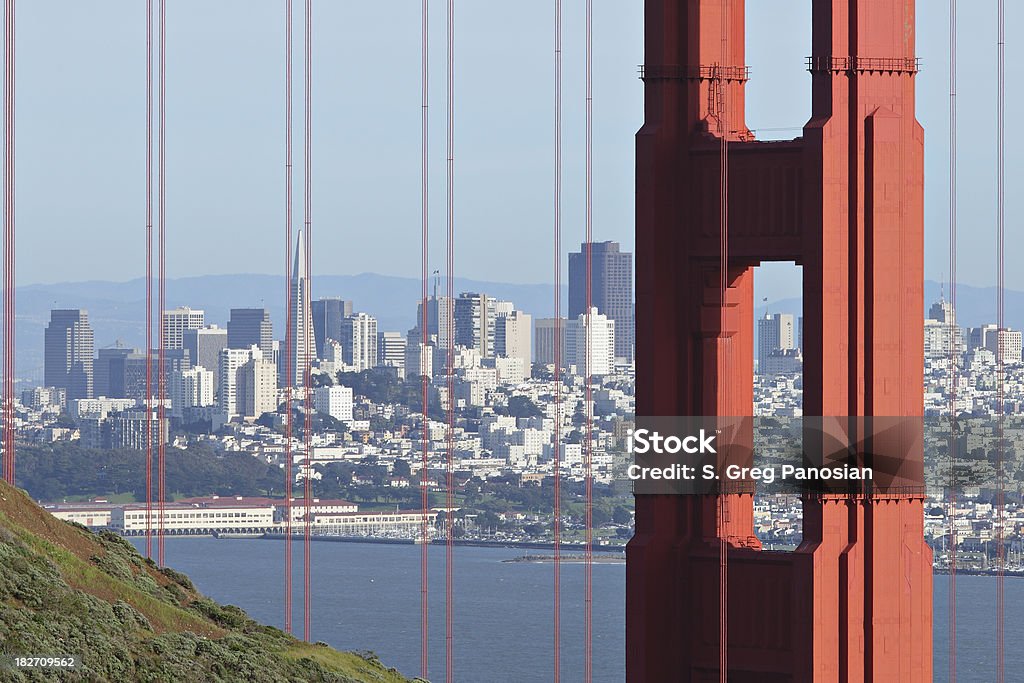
[66, 591]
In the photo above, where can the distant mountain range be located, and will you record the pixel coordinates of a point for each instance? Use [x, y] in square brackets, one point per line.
[116, 309]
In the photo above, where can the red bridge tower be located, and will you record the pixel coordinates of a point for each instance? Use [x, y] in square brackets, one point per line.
[845, 201]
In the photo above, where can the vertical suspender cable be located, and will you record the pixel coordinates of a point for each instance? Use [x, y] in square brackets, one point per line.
[588, 553]
[723, 500]
[9, 435]
[424, 333]
[557, 436]
[449, 370]
[161, 370]
[149, 279]
[953, 342]
[7, 445]
[289, 341]
[307, 378]
[1000, 325]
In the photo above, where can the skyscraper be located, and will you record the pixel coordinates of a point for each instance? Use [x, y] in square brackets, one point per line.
[512, 337]
[942, 311]
[127, 429]
[775, 334]
[591, 351]
[259, 387]
[942, 335]
[327, 316]
[251, 327]
[203, 346]
[475, 315]
[1005, 344]
[391, 351]
[359, 341]
[127, 373]
[101, 368]
[440, 319]
[544, 341]
[230, 391]
[175, 322]
[192, 388]
[419, 357]
[611, 290]
[248, 383]
[303, 342]
[67, 353]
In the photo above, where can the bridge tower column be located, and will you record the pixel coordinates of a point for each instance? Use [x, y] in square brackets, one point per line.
[845, 201]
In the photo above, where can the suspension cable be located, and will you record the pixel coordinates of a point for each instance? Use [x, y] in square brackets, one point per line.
[307, 379]
[289, 343]
[450, 372]
[588, 636]
[9, 433]
[557, 435]
[149, 279]
[161, 370]
[424, 334]
[1000, 325]
[953, 339]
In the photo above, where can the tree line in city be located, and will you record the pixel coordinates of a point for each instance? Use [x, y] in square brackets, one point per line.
[58, 472]
[55, 472]
[384, 388]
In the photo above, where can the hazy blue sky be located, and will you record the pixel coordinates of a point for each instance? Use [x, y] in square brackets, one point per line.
[81, 133]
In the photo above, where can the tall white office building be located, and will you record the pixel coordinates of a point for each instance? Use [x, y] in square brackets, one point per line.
[173, 323]
[1005, 345]
[591, 351]
[359, 341]
[248, 383]
[391, 351]
[475, 315]
[192, 388]
[259, 387]
[229, 369]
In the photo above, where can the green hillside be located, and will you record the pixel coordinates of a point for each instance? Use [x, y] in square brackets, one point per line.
[67, 591]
